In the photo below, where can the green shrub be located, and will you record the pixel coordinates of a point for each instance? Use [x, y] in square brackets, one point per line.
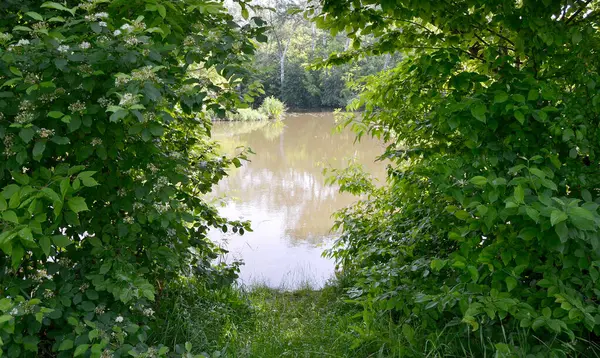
[246, 115]
[104, 163]
[489, 226]
[272, 108]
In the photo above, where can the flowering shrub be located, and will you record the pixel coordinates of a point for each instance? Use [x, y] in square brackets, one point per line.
[105, 158]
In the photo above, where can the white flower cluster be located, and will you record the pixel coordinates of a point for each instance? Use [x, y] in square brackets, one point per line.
[127, 28]
[63, 48]
[85, 45]
[48, 294]
[24, 117]
[97, 16]
[8, 143]
[119, 319]
[148, 312]
[77, 107]
[23, 42]
[100, 309]
[84, 287]
[105, 102]
[152, 168]
[45, 133]
[5, 37]
[96, 141]
[145, 73]
[132, 41]
[162, 208]
[128, 220]
[128, 100]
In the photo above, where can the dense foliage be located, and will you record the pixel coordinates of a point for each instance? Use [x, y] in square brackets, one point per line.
[488, 228]
[105, 159]
[294, 42]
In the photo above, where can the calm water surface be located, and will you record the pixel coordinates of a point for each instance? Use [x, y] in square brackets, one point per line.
[282, 191]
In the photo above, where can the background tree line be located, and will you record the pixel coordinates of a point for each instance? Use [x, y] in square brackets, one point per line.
[282, 63]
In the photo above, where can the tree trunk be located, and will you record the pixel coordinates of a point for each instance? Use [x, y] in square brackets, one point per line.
[386, 62]
[282, 65]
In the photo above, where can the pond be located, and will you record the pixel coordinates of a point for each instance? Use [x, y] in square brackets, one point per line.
[282, 191]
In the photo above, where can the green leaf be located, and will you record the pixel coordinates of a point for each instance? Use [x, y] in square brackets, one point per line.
[557, 216]
[51, 194]
[519, 194]
[65, 345]
[533, 95]
[18, 252]
[55, 114]
[520, 117]
[562, 231]
[45, 245]
[81, 349]
[10, 216]
[586, 195]
[532, 213]
[582, 218]
[478, 111]
[16, 71]
[576, 37]
[479, 180]
[518, 98]
[61, 241]
[77, 204]
[538, 173]
[500, 97]
[34, 15]
[437, 264]
[511, 283]
[462, 215]
[162, 11]
[26, 134]
[89, 181]
[38, 150]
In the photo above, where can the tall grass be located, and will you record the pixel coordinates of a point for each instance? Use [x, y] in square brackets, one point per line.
[272, 108]
[262, 322]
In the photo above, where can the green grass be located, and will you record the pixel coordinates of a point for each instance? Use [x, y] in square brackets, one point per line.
[262, 322]
[300, 323]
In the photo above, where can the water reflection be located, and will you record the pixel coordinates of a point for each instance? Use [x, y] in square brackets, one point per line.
[282, 191]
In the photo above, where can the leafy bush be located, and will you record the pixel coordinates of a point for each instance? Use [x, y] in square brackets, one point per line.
[105, 160]
[246, 115]
[272, 108]
[489, 224]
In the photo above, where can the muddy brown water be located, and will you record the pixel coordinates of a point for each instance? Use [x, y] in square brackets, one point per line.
[282, 191]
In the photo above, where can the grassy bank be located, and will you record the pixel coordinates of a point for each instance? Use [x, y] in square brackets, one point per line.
[263, 322]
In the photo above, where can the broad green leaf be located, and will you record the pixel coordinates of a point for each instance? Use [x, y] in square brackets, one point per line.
[81, 349]
[65, 345]
[520, 117]
[51, 194]
[478, 111]
[38, 150]
[519, 194]
[533, 95]
[45, 244]
[10, 216]
[61, 241]
[34, 15]
[77, 204]
[55, 114]
[479, 180]
[557, 216]
[500, 97]
[511, 283]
